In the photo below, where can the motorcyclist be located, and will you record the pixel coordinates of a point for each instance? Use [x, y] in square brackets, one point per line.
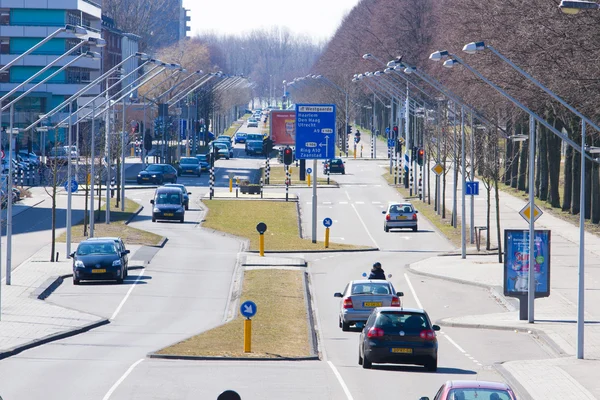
[377, 272]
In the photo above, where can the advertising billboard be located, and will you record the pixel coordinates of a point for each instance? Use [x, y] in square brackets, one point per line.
[283, 127]
[516, 262]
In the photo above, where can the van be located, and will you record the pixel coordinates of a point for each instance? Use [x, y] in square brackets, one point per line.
[168, 204]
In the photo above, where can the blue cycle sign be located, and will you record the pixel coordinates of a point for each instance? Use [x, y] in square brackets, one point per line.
[315, 131]
[71, 186]
[248, 309]
[327, 222]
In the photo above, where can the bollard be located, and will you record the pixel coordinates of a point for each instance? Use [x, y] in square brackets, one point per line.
[261, 188]
[308, 179]
[248, 335]
[261, 244]
[326, 238]
[328, 168]
[230, 184]
[355, 151]
[361, 149]
[132, 152]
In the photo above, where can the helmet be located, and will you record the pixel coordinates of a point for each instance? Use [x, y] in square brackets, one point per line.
[377, 265]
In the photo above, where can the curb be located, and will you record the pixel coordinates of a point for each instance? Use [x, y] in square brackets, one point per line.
[513, 382]
[48, 287]
[316, 251]
[135, 214]
[162, 243]
[208, 358]
[313, 337]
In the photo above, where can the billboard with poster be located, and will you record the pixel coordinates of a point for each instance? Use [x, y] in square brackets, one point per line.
[283, 127]
[516, 262]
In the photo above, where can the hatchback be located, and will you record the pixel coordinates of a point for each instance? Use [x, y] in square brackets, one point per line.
[168, 204]
[474, 390]
[399, 216]
[335, 166]
[189, 165]
[98, 260]
[240, 138]
[398, 336]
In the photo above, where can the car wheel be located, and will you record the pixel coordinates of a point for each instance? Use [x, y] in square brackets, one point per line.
[187, 206]
[181, 221]
[415, 228]
[153, 219]
[126, 272]
[119, 280]
[366, 363]
[75, 281]
[345, 326]
[431, 366]
[340, 322]
[385, 228]
[175, 180]
[360, 359]
[343, 172]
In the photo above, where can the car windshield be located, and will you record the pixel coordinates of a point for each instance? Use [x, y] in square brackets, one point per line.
[201, 157]
[411, 323]
[189, 160]
[336, 162]
[401, 208]
[241, 135]
[85, 249]
[168, 198]
[371, 288]
[153, 168]
[220, 145]
[180, 187]
[478, 394]
[254, 136]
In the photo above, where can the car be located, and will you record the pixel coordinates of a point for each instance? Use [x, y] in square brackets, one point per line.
[157, 174]
[394, 335]
[32, 158]
[184, 192]
[121, 249]
[252, 123]
[168, 204]
[228, 144]
[98, 259]
[254, 147]
[360, 297]
[219, 149]
[474, 390]
[400, 216]
[204, 161]
[240, 137]
[189, 165]
[335, 166]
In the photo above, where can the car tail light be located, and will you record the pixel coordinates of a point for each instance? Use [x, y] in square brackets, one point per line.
[395, 302]
[348, 303]
[414, 216]
[375, 332]
[427, 334]
[387, 217]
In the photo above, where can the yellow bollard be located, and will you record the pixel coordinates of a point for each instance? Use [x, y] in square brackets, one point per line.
[361, 149]
[248, 335]
[355, 152]
[230, 184]
[88, 178]
[308, 179]
[326, 238]
[132, 151]
[290, 169]
[261, 245]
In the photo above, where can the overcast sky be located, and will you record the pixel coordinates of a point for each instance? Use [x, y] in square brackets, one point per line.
[316, 18]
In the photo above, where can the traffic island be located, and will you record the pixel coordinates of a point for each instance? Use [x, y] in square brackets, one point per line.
[276, 303]
[277, 177]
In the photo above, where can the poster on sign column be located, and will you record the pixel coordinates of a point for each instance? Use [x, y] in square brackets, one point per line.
[517, 262]
[283, 128]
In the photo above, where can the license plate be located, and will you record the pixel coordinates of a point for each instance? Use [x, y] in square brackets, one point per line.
[400, 217]
[372, 304]
[145, 179]
[168, 214]
[401, 350]
[190, 170]
[98, 271]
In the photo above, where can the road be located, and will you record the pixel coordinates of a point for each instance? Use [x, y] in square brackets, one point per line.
[184, 290]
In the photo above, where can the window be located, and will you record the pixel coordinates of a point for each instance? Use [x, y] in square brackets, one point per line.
[77, 75]
[5, 76]
[4, 16]
[4, 45]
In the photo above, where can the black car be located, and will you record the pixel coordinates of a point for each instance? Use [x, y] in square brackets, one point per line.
[157, 173]
[254, 147]
[120, 248]
[240, 137]
[184, 192]
[335, 166]
[398, 336]
[98, 259]
[204, 161]
[168, 204]
[189, 165]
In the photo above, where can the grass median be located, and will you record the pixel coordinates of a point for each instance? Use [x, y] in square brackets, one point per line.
[240, 217]
[277, 176]
[279, 328]
[117, 227]
[232, 130]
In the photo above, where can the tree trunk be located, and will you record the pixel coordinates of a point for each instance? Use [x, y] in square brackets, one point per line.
[523, 165]
[543, 163]
[514, 173]
[595, 194]
[554, 163]
[85, 215]
[568, 176]
[508, 155]
[576, 185]
[488, 190]
[588, 189]
[118, 195]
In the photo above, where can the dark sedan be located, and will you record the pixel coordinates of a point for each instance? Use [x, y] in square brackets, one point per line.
[204, 161]
[398, 336]
[254, 147]
[184, 192]
[98, 260]
[189, 165]
[157, 174]
[335, 166]
[168, 204]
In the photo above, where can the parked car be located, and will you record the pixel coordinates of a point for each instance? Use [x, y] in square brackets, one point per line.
[252, 123]
[189, 165]
[98, 260]
[32, 158]
[204, 160]
[157, 173]
[184, 192]
[395, 335]
[335, 166]
[168, 204]
[472, 390]
[399, 216]
[121, 250]
[240, 137]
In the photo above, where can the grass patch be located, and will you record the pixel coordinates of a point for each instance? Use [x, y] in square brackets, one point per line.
[232, 130]
[279, 329]
[116, 227]
[277, 176]
[240, 217]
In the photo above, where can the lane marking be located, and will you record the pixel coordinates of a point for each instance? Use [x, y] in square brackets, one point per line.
[327, 202]
[340, 380]
[343, 202]
[375, 202]
[412, 289]
[347, 195]
[127, 295]
[364, 225]
[359, 202]
[454, 343]
[121, 379]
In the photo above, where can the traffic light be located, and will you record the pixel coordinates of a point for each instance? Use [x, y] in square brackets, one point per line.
[267, 146]
[349, 129]
[357, 136]
[395, 130]
[148, 140]
[420, 156]
[413, 154]
[288, 156]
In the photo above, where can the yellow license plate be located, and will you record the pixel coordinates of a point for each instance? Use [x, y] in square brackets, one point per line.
[145, 179]
[400, 217]
[401, 350]
[168, 214]
[98, 271]
[372, 304]
[190, 170]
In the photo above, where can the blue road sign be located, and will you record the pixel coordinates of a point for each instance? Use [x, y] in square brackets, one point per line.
[309, 170]
[472, 188]
[387, 130]
[327, 222]
[73, 186]
[391, 142]
[315, 131]
[248, 309]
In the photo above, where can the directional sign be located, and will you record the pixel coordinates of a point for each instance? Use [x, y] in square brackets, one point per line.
[315, 131]
[391, 143]
[248, 309]
[327, 222]
[526, 213]
[438, 169]
[309, 170]
[472, 188]
[72, 186]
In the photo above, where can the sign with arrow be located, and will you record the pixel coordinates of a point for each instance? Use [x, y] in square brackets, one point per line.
[315, 131]
[248, 309]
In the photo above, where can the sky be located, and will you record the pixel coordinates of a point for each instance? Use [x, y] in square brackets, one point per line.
[318, 19]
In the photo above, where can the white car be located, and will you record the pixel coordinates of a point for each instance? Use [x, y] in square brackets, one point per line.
[399, 216]
[252, 123]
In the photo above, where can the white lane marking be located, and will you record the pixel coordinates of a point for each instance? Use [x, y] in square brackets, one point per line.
[327, 202]
[359, 202]
[340, 380]
[121, 379]
[347, 195]
[364, 225]
[454, 343]
[127, 295]
[412, 289]
[343, 202]
[375, 202]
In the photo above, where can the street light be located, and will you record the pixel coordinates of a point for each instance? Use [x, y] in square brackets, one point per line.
[573, 6]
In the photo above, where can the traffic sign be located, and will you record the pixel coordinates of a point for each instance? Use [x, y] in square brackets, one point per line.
[391, 143]
[261, 227]
[315, 131]
[73, 186]
[526, 213]
[327, 222]
[309, 170]
[248, 309]
[472, 188]
[3, 155]
[387, 130]
[438, 169]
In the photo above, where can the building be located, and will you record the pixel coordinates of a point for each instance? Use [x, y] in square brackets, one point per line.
[172, 27]
[23, 24]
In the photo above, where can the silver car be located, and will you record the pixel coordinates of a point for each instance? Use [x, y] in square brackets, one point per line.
[360, 297]
[399, 216]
